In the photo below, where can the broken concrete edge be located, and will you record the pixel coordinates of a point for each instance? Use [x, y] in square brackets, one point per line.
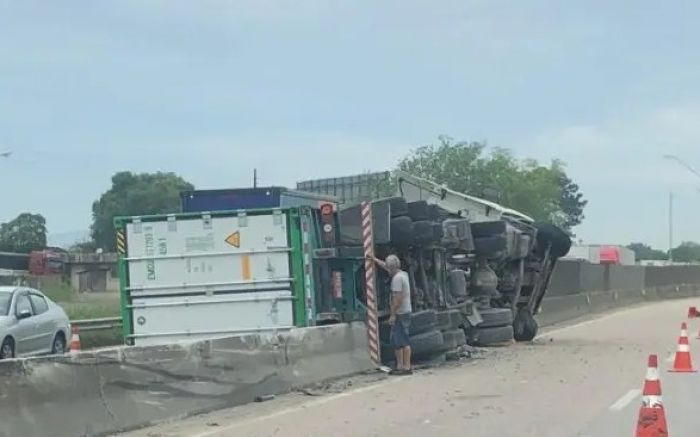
[115, 390]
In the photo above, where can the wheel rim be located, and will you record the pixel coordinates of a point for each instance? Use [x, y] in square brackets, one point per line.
[59, 346]
[7, 350]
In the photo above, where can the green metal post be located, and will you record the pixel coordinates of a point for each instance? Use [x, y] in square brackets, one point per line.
[124, 297]
[297, 267]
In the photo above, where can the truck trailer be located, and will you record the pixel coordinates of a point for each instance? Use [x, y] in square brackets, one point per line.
[478, 270]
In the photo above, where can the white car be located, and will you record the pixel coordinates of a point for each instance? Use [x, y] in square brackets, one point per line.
[31, 324]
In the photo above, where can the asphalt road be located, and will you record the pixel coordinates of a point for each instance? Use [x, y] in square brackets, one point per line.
[578, 380]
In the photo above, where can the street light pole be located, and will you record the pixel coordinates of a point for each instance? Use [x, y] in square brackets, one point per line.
[691, 169]
[670, 228]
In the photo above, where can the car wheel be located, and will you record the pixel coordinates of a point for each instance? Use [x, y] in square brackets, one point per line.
[7, 350]
[59, 344]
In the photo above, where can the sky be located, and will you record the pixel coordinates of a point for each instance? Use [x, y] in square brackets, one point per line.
[211, 89]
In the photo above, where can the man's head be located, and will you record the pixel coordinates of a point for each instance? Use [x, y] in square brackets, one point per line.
[393, 264]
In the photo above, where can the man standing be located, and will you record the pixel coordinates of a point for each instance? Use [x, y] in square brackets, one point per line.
[400, 313]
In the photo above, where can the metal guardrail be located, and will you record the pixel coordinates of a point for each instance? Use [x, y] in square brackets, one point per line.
[103, 324]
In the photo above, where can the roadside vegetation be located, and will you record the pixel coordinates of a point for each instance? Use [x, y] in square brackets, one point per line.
[81, 306]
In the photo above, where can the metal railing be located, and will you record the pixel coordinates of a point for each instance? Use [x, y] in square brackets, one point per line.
[103, 324]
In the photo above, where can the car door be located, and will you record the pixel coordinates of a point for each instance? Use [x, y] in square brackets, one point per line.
[43, 322]
[25, 329]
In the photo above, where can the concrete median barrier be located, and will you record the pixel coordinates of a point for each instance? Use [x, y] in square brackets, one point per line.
[109, 391]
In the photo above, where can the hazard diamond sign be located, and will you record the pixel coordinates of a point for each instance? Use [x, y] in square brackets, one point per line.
[234, 239]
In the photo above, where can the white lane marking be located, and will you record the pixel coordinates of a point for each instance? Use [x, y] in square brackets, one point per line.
[299, 407]
[671, 358]
[625, 400]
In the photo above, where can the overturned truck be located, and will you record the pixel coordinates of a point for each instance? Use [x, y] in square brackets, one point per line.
[478, 270]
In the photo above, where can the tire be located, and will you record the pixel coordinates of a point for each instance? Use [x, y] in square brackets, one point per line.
[495, 317]
[488, 229]
[438, 232]
[423, 321]
[525, 326]
[58, 347]
[401, 231]
[423, 231]
[427, 344]
[433, 213]
[490, 247]
[398, 206]
[454, 339]
[494, 336]
[444, 321]
[550, 234]
[449, 320]
[7, 350]
[418, 210]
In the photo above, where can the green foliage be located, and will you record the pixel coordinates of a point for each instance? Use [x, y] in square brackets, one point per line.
[27, 232]
[646, 252]
[543, 192]
[687, 251]
[134, 194]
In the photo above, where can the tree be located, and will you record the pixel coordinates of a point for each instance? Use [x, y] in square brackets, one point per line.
[544, 192]
[687, 251]
[134, 194]
[27, 232]
[645, 252]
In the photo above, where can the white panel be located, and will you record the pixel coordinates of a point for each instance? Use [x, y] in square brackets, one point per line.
[167, 319]
[187, 282]
[195, 257]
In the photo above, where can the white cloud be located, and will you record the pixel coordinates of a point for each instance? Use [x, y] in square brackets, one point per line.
[620, 167]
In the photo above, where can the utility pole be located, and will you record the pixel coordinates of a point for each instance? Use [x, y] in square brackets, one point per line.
[255, 178]
[670, 228]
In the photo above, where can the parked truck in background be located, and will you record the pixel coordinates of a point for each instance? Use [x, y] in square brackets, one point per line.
[242, 261]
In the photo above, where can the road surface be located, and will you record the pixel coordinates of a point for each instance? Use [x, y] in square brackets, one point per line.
[578, 380]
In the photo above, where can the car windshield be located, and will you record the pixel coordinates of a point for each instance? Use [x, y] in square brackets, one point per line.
[5, 299]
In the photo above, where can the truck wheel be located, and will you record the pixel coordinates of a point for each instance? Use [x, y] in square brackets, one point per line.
[401, 231]
[490, 247]
[525, 326]
[422, 231]
[423, 321]
[494, 336]
[488, 229]
[494, 317]
[449, 320]
[427, 344]
[438, 232]
[398, 206]
[454, 338]
[548, 233]
[436, 214]
[418, 210]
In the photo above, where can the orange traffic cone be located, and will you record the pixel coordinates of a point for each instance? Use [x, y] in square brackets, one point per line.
[652, 417]
[683, 363]
[75, 340]
[693, 313]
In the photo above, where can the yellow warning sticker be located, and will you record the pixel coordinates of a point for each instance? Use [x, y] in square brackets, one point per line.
[234, 239]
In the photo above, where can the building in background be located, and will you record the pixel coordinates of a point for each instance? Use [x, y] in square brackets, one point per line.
[602, 254]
